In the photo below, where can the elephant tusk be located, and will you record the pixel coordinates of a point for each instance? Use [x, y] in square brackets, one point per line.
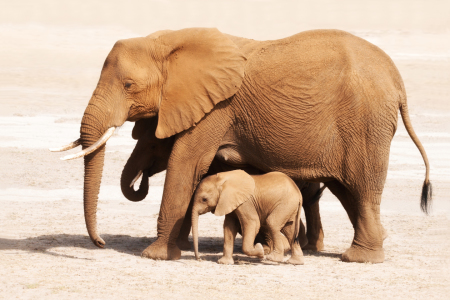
[93, 147]
[66, 147]
[136, 178]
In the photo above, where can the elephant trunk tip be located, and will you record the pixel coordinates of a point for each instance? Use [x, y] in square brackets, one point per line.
[99, 242]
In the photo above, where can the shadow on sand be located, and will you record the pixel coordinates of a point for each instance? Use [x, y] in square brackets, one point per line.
[210, 248]
[121, 243]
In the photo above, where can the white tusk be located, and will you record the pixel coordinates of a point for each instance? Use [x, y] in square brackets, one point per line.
[93, 147]
[67, 147]
[136, 178]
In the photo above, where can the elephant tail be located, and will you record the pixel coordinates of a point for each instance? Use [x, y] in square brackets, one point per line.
[427, 191]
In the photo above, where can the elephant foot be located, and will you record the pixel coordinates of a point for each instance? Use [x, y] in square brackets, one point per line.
[259, 250]
[226, 261]
[296, 260]
[274, 256]
[267, 249]
[162, 251]
[184, 244]
[314, 247]
[357, 254]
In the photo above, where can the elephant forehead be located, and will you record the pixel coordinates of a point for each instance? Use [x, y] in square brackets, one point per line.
[128, 57]
[133, 47]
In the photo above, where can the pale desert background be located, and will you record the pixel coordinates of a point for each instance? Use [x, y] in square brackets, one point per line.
[51, 54]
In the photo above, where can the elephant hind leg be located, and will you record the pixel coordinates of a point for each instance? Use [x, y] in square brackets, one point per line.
[296, 251]
[313, 239]
[314, 231]
[364, 213]
[367, 245]
[265, 240]
[275, 223]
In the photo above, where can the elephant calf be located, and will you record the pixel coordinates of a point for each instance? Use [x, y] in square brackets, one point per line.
[272, 201]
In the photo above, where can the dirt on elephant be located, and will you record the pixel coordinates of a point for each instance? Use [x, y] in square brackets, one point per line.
[50, 59]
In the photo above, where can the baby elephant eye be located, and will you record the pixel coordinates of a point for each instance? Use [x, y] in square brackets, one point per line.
[128, 84]
[204, 199]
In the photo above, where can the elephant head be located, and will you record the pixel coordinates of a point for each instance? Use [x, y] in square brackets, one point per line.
[178, 76]
[150, 156]
[221, 194]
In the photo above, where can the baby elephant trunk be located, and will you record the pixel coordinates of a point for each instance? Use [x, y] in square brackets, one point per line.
[195, 214]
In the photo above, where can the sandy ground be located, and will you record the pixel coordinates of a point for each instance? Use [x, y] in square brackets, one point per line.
[51, 54]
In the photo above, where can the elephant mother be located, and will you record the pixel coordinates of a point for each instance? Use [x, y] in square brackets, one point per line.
[318, 106]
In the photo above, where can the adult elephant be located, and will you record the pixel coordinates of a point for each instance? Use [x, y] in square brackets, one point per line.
[151, 156]
[318, 106]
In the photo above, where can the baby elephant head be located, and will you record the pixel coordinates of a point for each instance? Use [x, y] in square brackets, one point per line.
[221, 194]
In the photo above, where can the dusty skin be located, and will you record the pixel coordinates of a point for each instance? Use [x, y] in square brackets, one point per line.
[50, 61]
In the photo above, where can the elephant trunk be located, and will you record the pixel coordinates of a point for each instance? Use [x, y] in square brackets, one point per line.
[195, 215]
[129, 173]
[93, 166]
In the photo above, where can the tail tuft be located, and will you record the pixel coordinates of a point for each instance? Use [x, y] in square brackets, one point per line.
[427, 194]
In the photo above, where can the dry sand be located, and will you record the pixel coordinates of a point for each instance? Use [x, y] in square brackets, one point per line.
[51, 54]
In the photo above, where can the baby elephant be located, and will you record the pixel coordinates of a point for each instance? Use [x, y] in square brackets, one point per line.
[271, 201]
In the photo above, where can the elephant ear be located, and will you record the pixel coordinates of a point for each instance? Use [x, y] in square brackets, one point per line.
[141, 126]
[202, 68]
[235, 188]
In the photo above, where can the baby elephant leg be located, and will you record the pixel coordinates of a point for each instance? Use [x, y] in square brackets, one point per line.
[249, 231]
[296, 251]
[230, 229]
[265, 239]
[274, 227]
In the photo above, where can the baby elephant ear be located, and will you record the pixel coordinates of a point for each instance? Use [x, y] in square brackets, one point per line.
[141, 126]
[236, 188]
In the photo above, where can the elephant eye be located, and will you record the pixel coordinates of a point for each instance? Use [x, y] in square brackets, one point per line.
[204, 199]
[128, 84]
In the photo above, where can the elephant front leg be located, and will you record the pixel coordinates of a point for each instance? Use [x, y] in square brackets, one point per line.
[230, 229]
[176, 197]
[183, 237]
[189, 160]
[178, 190]
[249, 231]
